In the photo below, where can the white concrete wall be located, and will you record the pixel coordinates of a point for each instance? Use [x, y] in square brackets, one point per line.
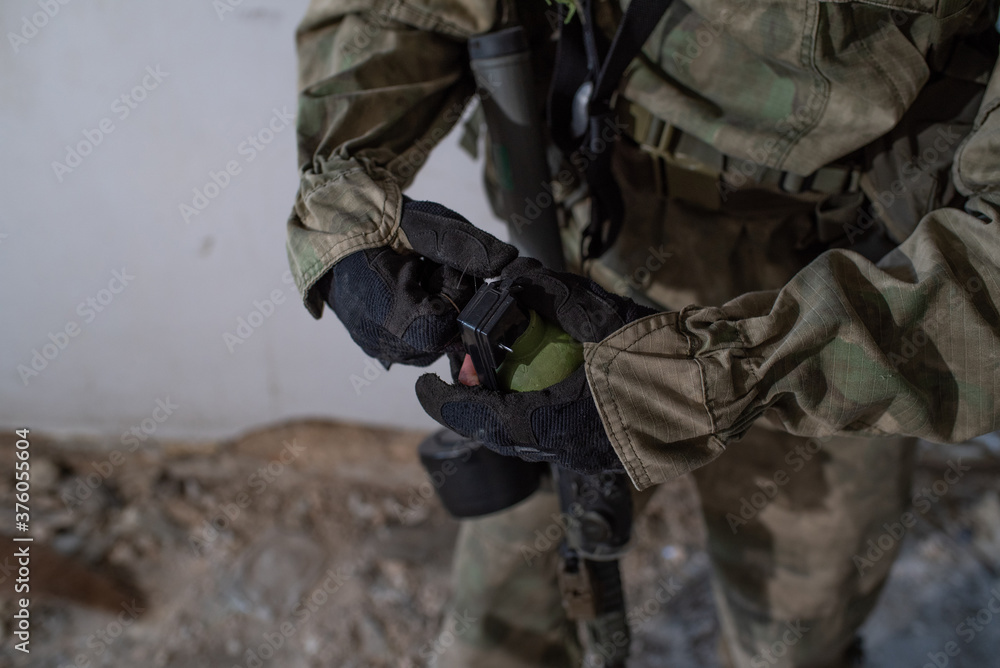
[63, 236]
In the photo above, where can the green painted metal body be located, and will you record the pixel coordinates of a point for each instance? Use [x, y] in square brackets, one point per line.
[542, 356]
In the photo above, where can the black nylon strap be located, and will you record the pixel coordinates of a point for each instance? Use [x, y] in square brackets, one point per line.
[577, 57]
[635, 28]
[570, 71]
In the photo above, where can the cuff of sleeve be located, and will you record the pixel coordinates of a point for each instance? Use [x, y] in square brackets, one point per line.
[659, 384]
[334, 217]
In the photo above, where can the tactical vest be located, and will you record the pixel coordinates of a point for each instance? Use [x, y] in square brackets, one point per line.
[716, 210]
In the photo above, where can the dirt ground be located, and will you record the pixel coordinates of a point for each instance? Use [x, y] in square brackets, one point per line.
[316, 538]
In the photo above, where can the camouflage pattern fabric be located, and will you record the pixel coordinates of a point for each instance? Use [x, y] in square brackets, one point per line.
[791, 522]
[797, 85]
[775, 338]
[844, 347]
[802, 535]
[504, 578]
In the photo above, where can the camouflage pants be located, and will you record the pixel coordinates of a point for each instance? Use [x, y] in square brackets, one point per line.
[785, 517]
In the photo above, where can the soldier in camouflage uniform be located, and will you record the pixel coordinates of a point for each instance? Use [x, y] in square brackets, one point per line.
[772, 153]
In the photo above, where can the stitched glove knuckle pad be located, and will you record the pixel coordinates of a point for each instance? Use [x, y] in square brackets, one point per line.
[582, 308]
[446, 237]
[403, 307]
[377, 295]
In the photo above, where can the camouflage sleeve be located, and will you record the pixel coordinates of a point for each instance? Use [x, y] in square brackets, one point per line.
[909, 346]
[380, 84]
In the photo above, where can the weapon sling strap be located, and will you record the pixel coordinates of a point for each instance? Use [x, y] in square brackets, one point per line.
[587, 72]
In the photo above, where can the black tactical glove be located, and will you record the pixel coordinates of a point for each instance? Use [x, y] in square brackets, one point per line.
[559, 424]
[402, 308]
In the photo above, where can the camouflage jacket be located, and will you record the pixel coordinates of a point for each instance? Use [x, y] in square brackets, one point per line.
[838, 344]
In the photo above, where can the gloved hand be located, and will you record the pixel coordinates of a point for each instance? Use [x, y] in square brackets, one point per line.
[403, 308]
[559, 424]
